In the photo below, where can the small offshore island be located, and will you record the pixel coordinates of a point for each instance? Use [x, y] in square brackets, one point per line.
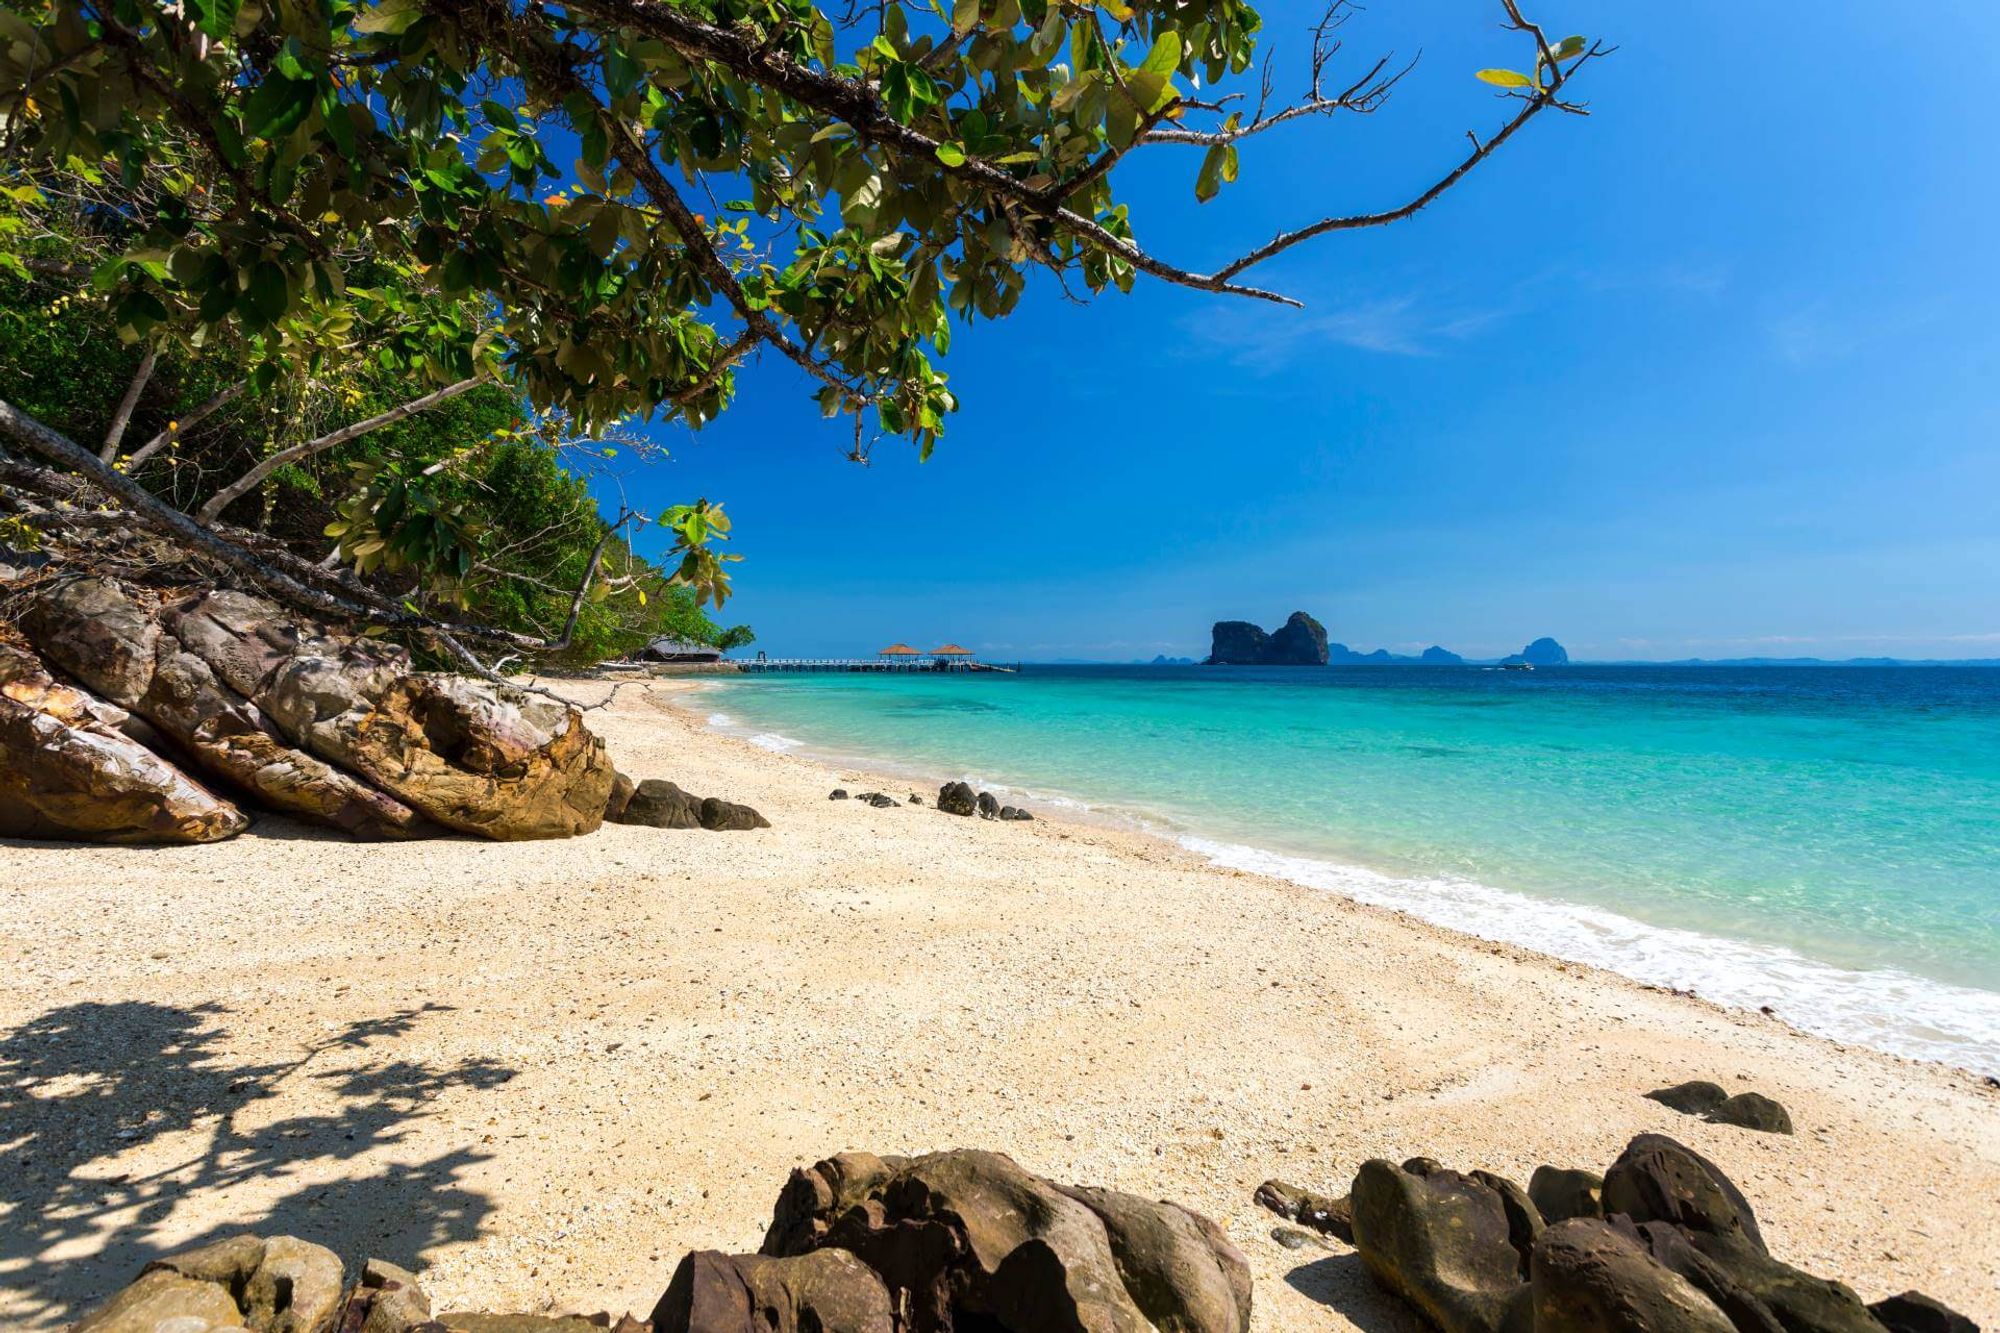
[1302, 641]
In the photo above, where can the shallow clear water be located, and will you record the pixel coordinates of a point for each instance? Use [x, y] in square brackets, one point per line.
[1823, 840]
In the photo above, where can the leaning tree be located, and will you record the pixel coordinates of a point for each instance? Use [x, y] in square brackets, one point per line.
[605, 206]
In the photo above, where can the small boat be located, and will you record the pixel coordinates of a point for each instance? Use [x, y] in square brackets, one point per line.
[1517, 666]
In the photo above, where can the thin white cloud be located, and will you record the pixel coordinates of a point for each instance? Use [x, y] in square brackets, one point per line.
[1389, 326]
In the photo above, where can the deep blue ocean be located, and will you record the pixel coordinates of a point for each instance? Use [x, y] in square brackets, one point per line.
[1824, 840]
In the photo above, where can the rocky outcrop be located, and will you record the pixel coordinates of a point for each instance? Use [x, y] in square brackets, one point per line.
[478, 757]
[68, 769]
[1300, 641]
[100, 636]
[1436, 655]
[969, 1239]
[280, 1285]
[1667, 1244]
[340, 731]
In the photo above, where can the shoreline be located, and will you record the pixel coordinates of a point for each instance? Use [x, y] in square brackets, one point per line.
[537, 1073]
[1887, 1009]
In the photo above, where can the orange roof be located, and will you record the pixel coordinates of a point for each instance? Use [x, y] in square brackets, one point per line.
[899, 650]
[952, 650]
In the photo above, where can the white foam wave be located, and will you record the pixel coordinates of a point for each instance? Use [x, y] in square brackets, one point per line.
[1886, 1008]
[771, 740]
[720, 720]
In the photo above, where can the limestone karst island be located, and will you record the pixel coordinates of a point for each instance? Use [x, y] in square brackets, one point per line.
[998, 666]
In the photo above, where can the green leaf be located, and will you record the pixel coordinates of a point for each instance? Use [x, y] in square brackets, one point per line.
[268, 293]
[277, 106]
[1209, 180]
[391, 18]
[1165, 57]
[1505, 78]
[965, 16]
[499, 115]
[951, 154]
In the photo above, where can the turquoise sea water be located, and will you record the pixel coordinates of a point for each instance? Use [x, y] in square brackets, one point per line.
[1822, 840]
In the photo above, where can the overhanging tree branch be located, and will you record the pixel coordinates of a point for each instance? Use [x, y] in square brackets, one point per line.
[244, 484]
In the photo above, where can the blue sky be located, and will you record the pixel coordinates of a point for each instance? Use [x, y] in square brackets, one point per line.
[1709, 373]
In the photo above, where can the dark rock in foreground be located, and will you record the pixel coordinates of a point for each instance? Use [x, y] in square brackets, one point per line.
[957, 798]
[970, 1240]
[657, 803]
[1676, 1250]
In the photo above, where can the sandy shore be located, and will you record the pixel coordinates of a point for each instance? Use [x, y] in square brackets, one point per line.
[542, 1072]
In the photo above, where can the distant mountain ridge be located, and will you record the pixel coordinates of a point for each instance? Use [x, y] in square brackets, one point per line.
[1302, 641]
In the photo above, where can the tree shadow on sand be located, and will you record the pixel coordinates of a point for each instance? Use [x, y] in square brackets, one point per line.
[84, 1082]
[1340, 1282]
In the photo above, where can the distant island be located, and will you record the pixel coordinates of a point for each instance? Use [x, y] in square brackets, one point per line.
[1302, 641]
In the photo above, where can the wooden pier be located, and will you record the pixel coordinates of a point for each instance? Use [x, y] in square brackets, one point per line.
[873, 665]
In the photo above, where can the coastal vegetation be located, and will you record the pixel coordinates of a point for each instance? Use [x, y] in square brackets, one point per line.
[400, 265]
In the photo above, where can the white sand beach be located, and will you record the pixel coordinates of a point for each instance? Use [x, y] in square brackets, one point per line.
[539, 1073]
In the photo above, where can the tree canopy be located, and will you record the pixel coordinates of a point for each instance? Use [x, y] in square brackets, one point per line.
[605, 206]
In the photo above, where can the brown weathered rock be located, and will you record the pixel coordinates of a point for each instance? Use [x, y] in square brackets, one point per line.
[970, 1239]
[1178, 1267]
[1695, 1097]
[622, 791]
[91, 622]
[163, 1299]
[1752, 1110]
[179, 693]
[1588, 1277]
[69, 770]
[478, 757]
[1442, 1242]
[657, 803]
[1658, 1180]
[719, 816]
[826, 1291]
[988, 805]
[1561, 1193]
[393, 1301]
[1324, 1214]
[1524, 1220]
[1914, 1312]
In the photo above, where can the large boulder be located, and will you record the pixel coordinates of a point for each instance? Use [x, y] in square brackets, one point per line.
[826, 1291]
[280, 1285]
[720, 816]
[969, 1239]
[478, 757]
[1444, 1243]
[69, 770]
[1658, 1180]
[657, 803]
[1237, 643]
[1589, 1277]
[96, 633]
